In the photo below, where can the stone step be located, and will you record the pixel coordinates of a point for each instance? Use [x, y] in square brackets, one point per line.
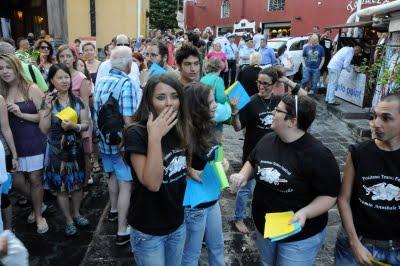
[359, 127]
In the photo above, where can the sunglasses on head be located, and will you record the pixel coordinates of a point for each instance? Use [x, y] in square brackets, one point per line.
[123, 44]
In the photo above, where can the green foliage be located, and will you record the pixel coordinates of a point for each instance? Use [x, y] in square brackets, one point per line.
[163, 14]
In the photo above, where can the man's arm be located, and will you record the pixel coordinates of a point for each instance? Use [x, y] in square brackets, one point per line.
[361, 254]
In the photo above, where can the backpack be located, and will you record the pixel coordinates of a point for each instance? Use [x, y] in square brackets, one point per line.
[109, 120]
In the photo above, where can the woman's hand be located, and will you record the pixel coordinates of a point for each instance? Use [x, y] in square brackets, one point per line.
[225, 164]
[238, 180]
[361, 254]
[195, 174]
[13, 108]
[159, 127]
[300, 216]
[15, 164]
[66, 125]
[234, 102]
[47, 101]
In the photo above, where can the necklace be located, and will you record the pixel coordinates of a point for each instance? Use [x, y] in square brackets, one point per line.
[267, 107]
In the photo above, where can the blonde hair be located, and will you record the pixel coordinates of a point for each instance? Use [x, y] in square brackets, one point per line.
[255, 58]
[23, 83]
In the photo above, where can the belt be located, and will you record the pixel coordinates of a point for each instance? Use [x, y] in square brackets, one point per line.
[381, 243]
[231, 59]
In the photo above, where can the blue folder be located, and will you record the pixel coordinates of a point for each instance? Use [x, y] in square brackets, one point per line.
[209, 190]
[236, 91]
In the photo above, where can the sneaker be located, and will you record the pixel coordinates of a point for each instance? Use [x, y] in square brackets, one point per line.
[122, 240]
[112, 216]
[31, 217]
[81, 221]
[70, 230]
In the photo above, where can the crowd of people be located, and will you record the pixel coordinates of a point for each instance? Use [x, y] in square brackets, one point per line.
[152, 132]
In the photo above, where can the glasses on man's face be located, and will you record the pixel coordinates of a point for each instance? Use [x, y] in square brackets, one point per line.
[264, 83]
[150, 54]
[44, 48]
[123, 44]
[276, 109]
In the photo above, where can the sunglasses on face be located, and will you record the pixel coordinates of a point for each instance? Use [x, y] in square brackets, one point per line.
[123, 44]
[264, 83]
[44, 47]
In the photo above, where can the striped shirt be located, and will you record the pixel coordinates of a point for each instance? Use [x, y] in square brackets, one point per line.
[128, 100]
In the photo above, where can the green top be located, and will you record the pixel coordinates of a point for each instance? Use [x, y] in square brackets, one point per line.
[217, 83]
[38, 76]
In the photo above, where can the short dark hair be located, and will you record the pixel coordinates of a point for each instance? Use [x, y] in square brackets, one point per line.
[21, 39]
[306, 110]
[259, 30]
[393, 97]
[194, 38]
[162, 48]
[184, 52]
[273, 72]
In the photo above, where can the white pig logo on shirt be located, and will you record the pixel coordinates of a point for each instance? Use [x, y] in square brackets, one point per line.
[383, 191]
[267, 120]
[176, 165]
[270, 175]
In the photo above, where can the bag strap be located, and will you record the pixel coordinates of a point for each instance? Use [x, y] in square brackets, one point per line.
[121, 83]
[32, 73]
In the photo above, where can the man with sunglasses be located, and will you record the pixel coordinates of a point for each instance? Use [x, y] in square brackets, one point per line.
[293, 172]
[105, 67]
[256, 118]
[369, 200]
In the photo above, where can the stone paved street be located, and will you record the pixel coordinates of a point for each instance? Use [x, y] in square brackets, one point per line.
[96, 244]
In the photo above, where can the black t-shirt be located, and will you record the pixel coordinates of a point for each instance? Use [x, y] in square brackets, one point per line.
[328, 46]
[256, 117]
[375, 198]
[289, 176]
[157, 213]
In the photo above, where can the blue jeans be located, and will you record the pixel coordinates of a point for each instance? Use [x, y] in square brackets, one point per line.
[310, 74]
[200, 222]
[242, 197]
[332, 83]
[295, 253]
[158, 250]
[344, 255]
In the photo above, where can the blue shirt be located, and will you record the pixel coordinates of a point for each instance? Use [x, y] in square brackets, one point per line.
[230, 51]
[128, 101]
[313, 55]
[267, 56]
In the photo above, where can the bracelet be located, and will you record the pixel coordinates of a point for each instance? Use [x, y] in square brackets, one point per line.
[296, 89]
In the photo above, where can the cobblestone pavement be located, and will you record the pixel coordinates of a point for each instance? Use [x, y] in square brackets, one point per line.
[96, 244]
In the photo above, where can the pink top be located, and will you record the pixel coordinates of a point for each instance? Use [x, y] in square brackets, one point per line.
[220, 55]
[77, 82]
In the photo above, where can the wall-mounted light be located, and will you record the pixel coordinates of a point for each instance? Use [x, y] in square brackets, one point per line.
[38, 19]
[20, 15]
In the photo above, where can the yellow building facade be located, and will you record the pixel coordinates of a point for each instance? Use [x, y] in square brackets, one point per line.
[111, 18]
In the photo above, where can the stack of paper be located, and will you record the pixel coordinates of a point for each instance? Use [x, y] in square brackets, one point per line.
[68, 114]
[213, 179]
[237, 92]
[278, 226]
[207, 191]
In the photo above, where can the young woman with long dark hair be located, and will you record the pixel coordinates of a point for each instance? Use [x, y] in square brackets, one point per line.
[155, 149]
[64, 171]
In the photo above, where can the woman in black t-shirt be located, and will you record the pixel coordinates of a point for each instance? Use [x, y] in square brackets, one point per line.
[154, 148]
[293, 172]
[256, 118]
[204, 219]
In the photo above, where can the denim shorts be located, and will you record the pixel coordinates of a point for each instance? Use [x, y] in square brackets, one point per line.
[115, 163]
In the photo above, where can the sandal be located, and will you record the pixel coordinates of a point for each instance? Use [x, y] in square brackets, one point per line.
[31, 216]
[81, 221]
[42, 227]
[70, 230]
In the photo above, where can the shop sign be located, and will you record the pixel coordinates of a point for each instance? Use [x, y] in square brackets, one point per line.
[352, 5]
[243, 26]
[351, 87]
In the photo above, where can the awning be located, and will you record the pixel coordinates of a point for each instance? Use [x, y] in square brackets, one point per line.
[350, 25]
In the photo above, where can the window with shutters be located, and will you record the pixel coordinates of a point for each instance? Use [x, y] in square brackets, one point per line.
[276, 5]
[225, 9]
